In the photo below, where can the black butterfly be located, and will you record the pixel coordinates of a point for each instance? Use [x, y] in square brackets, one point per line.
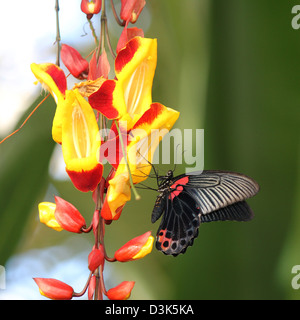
[188, 200]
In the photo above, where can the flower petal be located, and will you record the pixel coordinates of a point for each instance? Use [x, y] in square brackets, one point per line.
[121, 291]
[68, 216]
[99, 68]
[81, 143]
[54, 289]
[54, 80]
[74, 62]
[136, 248]
[96, 258]
[131, 9]
[128, 34]
[118, 194]
[108, 101]
[52, 77]
[91, 6]
[145, 138]
[46, 215]
[135, 67]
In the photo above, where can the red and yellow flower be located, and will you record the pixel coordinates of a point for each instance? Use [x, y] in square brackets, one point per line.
[136, 248]
[54, 289]
[130, 95]
[81, 142]
[61, 215]
[121, 291]
[90, 7]
[131, 9]
[53, 79]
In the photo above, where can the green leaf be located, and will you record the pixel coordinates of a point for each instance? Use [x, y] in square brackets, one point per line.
[24, 160]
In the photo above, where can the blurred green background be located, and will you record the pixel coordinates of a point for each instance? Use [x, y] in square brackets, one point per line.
[231, 68]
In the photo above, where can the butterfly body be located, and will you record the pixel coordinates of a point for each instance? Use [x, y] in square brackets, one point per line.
[186, 201]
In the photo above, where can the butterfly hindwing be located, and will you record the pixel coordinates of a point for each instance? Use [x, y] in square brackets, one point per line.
[187, 200]
[179, 225]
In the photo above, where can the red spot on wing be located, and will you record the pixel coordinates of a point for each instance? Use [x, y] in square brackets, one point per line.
[178, 186]
[163, 240]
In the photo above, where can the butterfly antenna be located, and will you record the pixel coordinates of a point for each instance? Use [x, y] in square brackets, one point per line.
[151, 164]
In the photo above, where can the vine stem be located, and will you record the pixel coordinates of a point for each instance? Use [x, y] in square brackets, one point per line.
[58, 38]
[93, 32]
[82, 292]
[121, 23]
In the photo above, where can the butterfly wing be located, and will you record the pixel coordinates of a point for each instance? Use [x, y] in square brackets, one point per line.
[192, 199]
[179, 224]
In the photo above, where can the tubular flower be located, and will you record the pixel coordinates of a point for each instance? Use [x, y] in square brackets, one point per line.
[121, 291]
[131, 9]
[73, 60]
[91, 7]
[145, 136]
[46, 215]
[54, 289]
[54, 80]
[118, 194]
[136, 248]
[67, 216]
[81, 142]
[128, 97]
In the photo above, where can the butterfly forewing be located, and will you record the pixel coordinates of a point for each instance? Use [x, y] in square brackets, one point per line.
[187, 200]
[217, 189]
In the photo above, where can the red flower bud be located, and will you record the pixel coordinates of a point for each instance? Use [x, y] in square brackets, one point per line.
[99, 68]
[90, 7]
[96, 258]
[73, 60]
[136, 248]
[121, 291]
[131, 9]
[68, 217]
[54, 289]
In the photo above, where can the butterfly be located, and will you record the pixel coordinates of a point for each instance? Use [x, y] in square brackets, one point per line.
[186, 201]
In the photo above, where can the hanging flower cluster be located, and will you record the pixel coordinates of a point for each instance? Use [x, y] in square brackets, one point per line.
[120, 106]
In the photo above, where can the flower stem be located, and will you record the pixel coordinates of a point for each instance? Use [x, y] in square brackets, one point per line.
[137, 196]
[57, 33]
[120, 23]
[79, 294]
[93, 32]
